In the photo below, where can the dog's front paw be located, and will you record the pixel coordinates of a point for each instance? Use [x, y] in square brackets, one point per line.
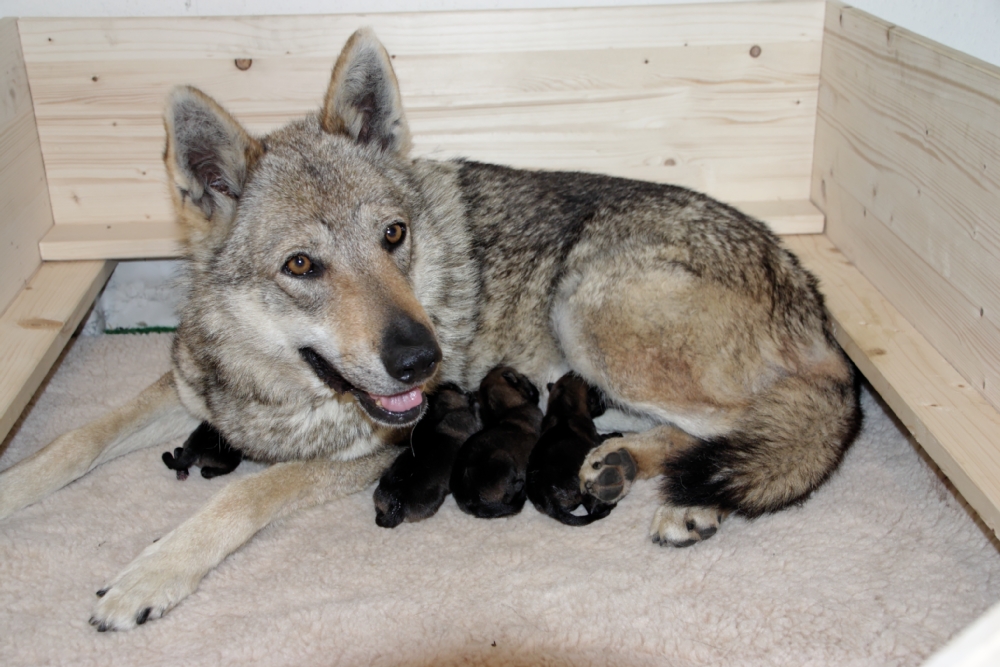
[684, 526]
[150, 586]
[607, 473]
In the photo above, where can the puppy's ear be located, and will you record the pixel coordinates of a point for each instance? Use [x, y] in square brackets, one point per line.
[208, 157]
[363, 100]
[596, 403]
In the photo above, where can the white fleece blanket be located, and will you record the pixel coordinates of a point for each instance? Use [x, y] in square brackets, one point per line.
[881, 567]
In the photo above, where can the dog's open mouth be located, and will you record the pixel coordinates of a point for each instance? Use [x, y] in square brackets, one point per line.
[403, 409]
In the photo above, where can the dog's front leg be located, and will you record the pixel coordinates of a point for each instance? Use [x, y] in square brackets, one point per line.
[152, 417]
[170, 569]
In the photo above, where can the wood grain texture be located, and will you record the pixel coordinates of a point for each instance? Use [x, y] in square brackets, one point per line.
[667, 94]
[952, 421]
[25, 214]
[159, 240]
[148, 240]
[38, 324]
[907, 169]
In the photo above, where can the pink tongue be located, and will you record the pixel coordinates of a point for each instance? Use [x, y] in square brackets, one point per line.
[399, 402]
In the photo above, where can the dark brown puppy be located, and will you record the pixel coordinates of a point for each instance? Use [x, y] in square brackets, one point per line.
[207, 449]
[416, 484]
[568, 435]
[489, 474]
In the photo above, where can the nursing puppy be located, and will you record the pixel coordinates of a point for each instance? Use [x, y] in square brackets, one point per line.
[207, 449]
[416, 484]
[333, 279]
[489, 474]
[568, 435]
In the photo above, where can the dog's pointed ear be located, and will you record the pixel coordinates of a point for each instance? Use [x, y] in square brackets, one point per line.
[363, 100]
[208, 157]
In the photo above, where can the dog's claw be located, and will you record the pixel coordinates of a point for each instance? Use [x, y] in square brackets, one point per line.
[143, 616]
[101, 593]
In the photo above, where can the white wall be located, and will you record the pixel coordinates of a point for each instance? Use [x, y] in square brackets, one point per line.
[139, 295]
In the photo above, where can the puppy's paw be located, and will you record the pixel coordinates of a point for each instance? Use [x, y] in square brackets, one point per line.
[607, 473]
[684, 526]
[389, 510]
[150, 586]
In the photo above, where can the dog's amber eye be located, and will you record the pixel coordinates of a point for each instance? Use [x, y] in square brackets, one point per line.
[395, 233]
[299, 265]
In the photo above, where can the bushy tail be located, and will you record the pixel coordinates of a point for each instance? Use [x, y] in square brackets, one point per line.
[786, 446]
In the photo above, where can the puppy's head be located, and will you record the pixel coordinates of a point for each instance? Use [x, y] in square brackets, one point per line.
[452, 412]
[571, 395]
[504, 389]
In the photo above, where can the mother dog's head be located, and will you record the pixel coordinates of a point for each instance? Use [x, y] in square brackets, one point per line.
[302, 242]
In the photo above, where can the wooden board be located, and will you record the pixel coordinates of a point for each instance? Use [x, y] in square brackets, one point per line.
[25, 214]
[38, 324]
[166, 239]
[660, 93]
[908, 172]
[150, 240]
[952, 421]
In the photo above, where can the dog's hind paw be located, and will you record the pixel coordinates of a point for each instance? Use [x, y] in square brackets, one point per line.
[150, 586]
[684, 526]
[608, 475]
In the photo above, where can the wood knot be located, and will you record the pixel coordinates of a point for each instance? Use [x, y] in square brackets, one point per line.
[754, 51]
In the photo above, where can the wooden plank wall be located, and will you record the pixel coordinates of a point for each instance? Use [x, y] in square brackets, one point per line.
[721, 98]
[952, 421]
[908, 172]
[25, 214]
[38, 324]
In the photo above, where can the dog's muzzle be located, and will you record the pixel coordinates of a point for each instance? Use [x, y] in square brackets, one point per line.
[403, 409]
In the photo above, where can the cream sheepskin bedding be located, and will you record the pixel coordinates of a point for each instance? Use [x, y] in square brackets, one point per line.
[881, 567]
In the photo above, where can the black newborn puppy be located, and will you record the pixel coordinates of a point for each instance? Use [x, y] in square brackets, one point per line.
[568, 435]
[417, 482]
[488, 478]
[207, 449]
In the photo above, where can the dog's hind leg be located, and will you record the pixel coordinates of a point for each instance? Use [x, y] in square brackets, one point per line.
[610, 468]
[171, 568]
[762, 396]
[152, 417]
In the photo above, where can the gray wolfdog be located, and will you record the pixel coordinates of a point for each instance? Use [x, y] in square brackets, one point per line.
[332, 281]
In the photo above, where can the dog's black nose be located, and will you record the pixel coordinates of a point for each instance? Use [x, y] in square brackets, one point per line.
[410, 352]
